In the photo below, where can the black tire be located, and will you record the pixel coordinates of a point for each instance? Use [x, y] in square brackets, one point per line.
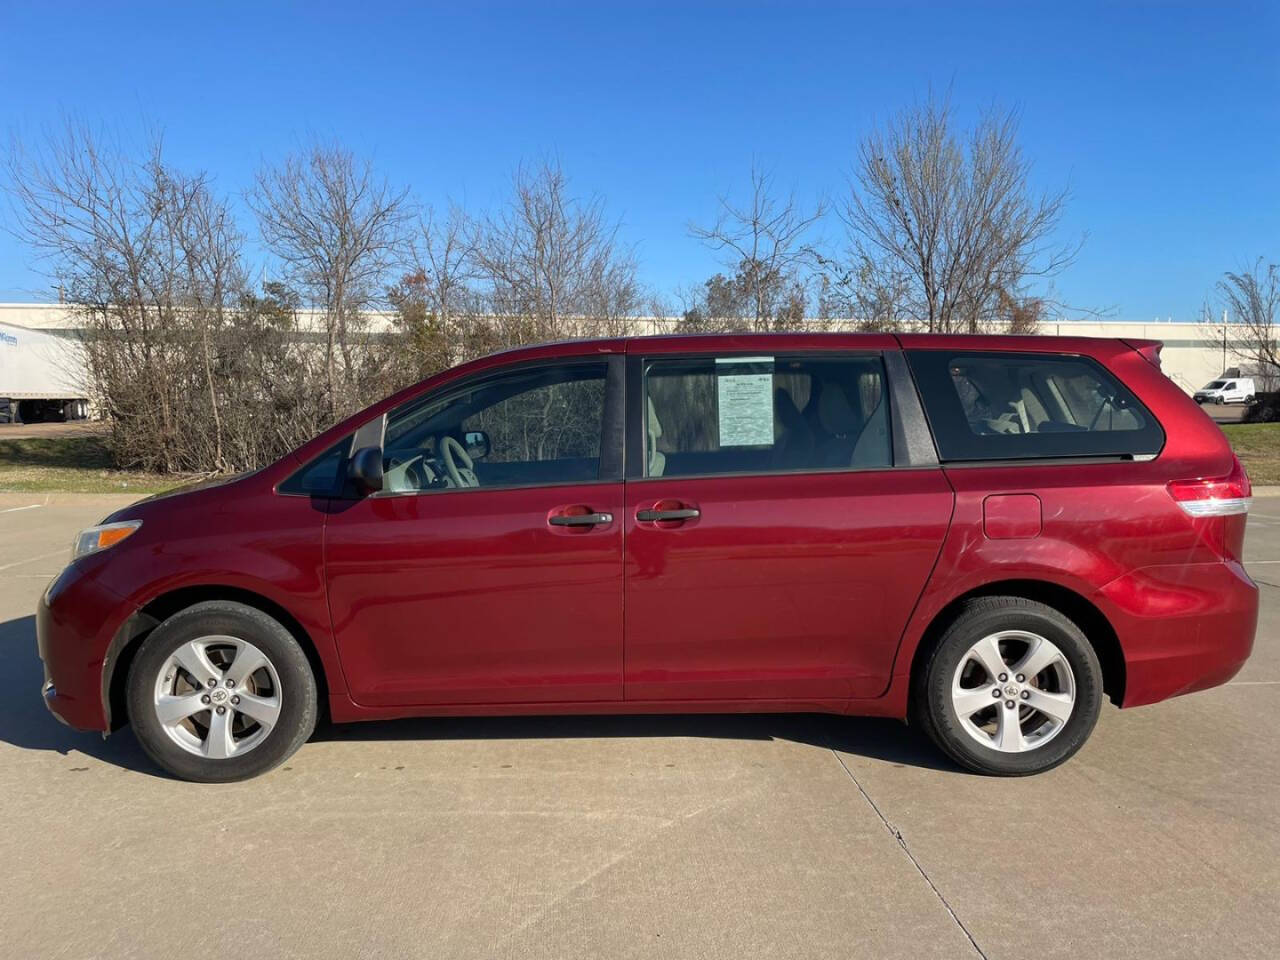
[298, 697]
[932, 706]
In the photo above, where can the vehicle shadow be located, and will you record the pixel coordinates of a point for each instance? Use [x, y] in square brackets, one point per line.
[26, 723]
[872, 737]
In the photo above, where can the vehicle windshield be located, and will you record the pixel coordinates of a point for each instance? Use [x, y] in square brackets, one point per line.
[1215, 385]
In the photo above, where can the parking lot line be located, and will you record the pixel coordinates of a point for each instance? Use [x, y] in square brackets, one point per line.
[43, 556]
[30, 506]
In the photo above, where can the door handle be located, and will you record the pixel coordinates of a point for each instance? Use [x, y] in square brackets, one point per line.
[681, 513]
[579, 519]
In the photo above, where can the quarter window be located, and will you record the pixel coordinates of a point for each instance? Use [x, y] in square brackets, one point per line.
[323, 476]
[764, 414]
[1001, 406]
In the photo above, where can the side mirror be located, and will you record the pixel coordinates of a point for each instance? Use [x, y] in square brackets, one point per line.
[365, 470]
[476, 443]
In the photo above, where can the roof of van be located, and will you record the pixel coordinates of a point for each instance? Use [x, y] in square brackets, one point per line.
[675, 342]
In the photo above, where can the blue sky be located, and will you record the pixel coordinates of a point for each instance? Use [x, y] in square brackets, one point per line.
[1164, 119]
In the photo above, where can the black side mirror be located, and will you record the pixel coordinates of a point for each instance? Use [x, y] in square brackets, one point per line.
[365, 470]
[476, 443]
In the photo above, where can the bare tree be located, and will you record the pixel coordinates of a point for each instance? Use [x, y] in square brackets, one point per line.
[443, 255]
[437, 311]
[957, 223]
[194, 373]
[148, 258]
[868, 297]
[766, 245]
[340, 233]
[1251, 298]
[550, 265]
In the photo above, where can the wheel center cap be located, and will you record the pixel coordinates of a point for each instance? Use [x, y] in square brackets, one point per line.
[218, 695]
[1011, 690]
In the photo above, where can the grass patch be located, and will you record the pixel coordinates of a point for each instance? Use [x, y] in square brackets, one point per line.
[79, 464]
[1258, 447]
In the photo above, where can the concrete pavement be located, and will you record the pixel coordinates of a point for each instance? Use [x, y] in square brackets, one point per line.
[717, 837]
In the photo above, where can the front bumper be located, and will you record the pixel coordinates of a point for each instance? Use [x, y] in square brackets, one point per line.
[1182, 627]
[74, 621]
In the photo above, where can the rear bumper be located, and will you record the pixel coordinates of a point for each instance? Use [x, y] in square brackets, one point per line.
[73, 634]
[1182, 627]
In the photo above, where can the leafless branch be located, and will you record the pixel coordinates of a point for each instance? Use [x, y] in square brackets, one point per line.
[956, 222]
[766, 244]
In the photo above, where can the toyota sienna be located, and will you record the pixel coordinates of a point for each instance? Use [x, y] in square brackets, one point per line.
[984, 536]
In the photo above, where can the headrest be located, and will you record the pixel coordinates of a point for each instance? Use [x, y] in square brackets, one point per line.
[786, 408]
[835, 412]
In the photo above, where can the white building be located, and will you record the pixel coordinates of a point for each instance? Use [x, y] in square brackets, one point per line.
[1193, 352]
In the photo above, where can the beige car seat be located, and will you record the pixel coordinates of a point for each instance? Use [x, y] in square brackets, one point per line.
[854, 442]
[657, 460]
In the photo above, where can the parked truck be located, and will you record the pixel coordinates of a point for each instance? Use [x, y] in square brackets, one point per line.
[42, 377]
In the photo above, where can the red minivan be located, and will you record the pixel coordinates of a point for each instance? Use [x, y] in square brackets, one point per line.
[983, 535]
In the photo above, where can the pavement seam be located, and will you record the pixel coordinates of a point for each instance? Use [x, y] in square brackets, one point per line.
[897, 835]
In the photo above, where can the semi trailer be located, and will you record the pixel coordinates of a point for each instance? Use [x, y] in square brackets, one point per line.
[42, 377]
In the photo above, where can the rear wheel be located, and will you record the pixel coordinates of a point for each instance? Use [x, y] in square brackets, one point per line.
[219, 692]
[1012, 687]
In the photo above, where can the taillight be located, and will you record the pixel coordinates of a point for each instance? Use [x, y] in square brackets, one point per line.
[1218, 497]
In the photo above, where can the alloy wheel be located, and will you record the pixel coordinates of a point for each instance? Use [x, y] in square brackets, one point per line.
[1013, 691]
[217, 697]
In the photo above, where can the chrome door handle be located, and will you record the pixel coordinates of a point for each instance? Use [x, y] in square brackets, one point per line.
[580, 519]
[684, 513]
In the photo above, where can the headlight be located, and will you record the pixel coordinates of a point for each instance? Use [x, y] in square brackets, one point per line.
[102, 536]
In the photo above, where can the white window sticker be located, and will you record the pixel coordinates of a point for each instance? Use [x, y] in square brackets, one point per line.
[744, 395]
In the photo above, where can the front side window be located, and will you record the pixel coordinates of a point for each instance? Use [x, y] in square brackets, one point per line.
[1001, 406]
[740, 414]
[539, 425]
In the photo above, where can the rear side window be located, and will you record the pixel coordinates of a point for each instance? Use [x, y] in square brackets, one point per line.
[764, 414]
[1013, 406]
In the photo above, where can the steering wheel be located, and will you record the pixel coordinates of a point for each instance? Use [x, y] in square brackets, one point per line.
[457, 463]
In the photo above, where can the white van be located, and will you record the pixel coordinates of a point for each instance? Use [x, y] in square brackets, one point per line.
[1238, 390]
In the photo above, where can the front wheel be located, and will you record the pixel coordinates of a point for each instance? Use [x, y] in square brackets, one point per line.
[1013, 687]
[219, 692]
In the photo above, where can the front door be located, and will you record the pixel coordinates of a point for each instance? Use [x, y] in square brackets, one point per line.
[489, 569]
[773, 550]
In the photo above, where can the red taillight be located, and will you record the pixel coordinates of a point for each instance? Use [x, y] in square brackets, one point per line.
[1218, 497]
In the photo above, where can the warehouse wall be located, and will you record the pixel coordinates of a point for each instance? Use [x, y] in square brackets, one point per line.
[1192, 355]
